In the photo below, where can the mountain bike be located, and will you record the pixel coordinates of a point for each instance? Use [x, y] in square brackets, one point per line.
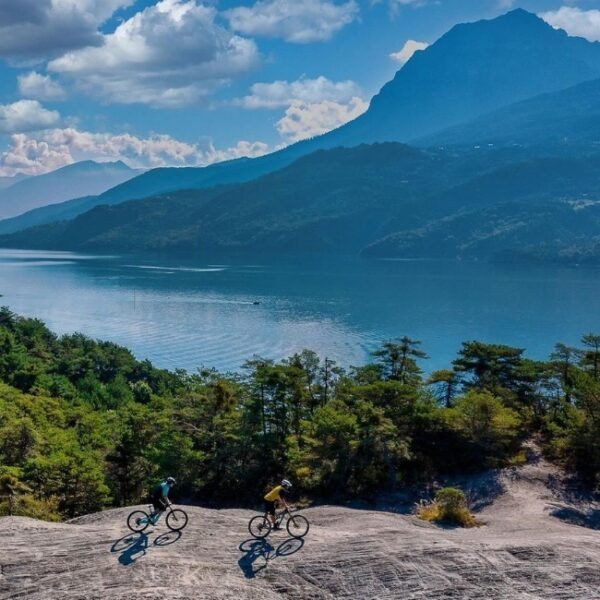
[138, 520]
[297, 525]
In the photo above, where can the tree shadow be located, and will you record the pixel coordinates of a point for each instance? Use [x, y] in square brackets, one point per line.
[263, 552]
[131, 547]
[571, 489]
[589, 519]
[483, 490]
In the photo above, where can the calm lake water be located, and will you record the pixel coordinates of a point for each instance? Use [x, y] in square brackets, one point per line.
[219, 313]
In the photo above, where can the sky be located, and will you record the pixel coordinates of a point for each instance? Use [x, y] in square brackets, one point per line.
[192, 82]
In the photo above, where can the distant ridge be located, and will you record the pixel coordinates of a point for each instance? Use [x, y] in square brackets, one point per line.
[570, 116]
[6, 182]
[83, 178]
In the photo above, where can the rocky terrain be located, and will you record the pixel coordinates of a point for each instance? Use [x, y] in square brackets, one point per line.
[539, 541]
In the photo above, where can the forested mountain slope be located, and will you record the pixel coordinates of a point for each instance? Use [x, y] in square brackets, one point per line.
[473, 69]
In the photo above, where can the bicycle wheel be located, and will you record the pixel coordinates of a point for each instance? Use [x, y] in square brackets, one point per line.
[259, 527]
[297, 526]
[138, 520]
[177, 519]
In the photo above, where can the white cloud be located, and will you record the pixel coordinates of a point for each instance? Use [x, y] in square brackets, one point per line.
[575, 21]
[56, 148]
[26, 115]
[396, 5]
[39, 29]
[280, 94]
[241, 149]
[170, 54]
[305, 120]
[297, 21]
[407, 51]
[40, 87]
[313, 106]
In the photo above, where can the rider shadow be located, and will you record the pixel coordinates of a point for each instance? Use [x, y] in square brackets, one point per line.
[255, 550]
[132, 547]
[261, 549]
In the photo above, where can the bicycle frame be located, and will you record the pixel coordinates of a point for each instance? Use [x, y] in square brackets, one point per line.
[279, 516]
[176, 518]
[155, 515]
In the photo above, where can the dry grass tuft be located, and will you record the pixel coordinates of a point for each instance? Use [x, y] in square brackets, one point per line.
[449, 506]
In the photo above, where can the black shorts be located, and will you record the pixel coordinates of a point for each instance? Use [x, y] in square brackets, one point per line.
[270, 506]
[159, 504]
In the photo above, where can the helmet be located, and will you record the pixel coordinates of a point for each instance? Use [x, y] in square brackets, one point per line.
[171, 480]
[286, 484]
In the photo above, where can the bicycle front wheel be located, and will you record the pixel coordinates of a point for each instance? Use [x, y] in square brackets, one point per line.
[177, 519]
[259, 527]
[138, 520]
[297, 526]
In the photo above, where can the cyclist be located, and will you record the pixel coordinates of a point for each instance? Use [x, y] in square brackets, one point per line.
[160, 496]
[275, 498]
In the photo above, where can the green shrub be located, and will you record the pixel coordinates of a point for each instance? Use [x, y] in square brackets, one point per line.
[449, 506]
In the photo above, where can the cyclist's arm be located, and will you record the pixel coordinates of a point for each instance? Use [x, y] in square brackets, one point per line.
[165, 495]
[164, 488]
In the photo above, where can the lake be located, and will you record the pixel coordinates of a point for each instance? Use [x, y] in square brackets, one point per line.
[220, 312]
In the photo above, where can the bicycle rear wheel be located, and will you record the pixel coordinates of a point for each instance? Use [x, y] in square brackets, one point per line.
[259, 527]
[138, 520]
[297, 526]
[177, 519]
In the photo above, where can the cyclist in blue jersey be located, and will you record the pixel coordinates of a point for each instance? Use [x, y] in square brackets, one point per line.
[160, 496]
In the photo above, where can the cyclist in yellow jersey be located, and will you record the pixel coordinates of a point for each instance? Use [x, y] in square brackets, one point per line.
[275, 498]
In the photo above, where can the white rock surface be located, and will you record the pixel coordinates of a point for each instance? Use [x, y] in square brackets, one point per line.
[523, 552]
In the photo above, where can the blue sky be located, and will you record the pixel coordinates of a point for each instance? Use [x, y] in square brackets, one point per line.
[189, 82]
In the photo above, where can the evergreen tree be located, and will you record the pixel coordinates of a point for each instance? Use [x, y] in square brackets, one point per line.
[399, 360]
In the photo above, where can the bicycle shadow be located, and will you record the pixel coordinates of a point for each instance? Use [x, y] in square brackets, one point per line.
[131, 547]
[167, 538]
[135, 545]
[261, 549]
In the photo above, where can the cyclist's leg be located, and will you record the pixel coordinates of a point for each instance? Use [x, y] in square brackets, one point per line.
[159, 507]
[278, 516]
[270, 510]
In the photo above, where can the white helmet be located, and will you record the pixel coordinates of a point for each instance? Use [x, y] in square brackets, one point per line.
[286, 484]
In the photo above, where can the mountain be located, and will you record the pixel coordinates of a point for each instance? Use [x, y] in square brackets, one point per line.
[80, 179]
[514, 82]
[472, 70]
[322, 201]
[162, 180]
[543, 209]
[60, 211]
[558, 231]
[570, 116]
[6, 182]
[387, 200]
